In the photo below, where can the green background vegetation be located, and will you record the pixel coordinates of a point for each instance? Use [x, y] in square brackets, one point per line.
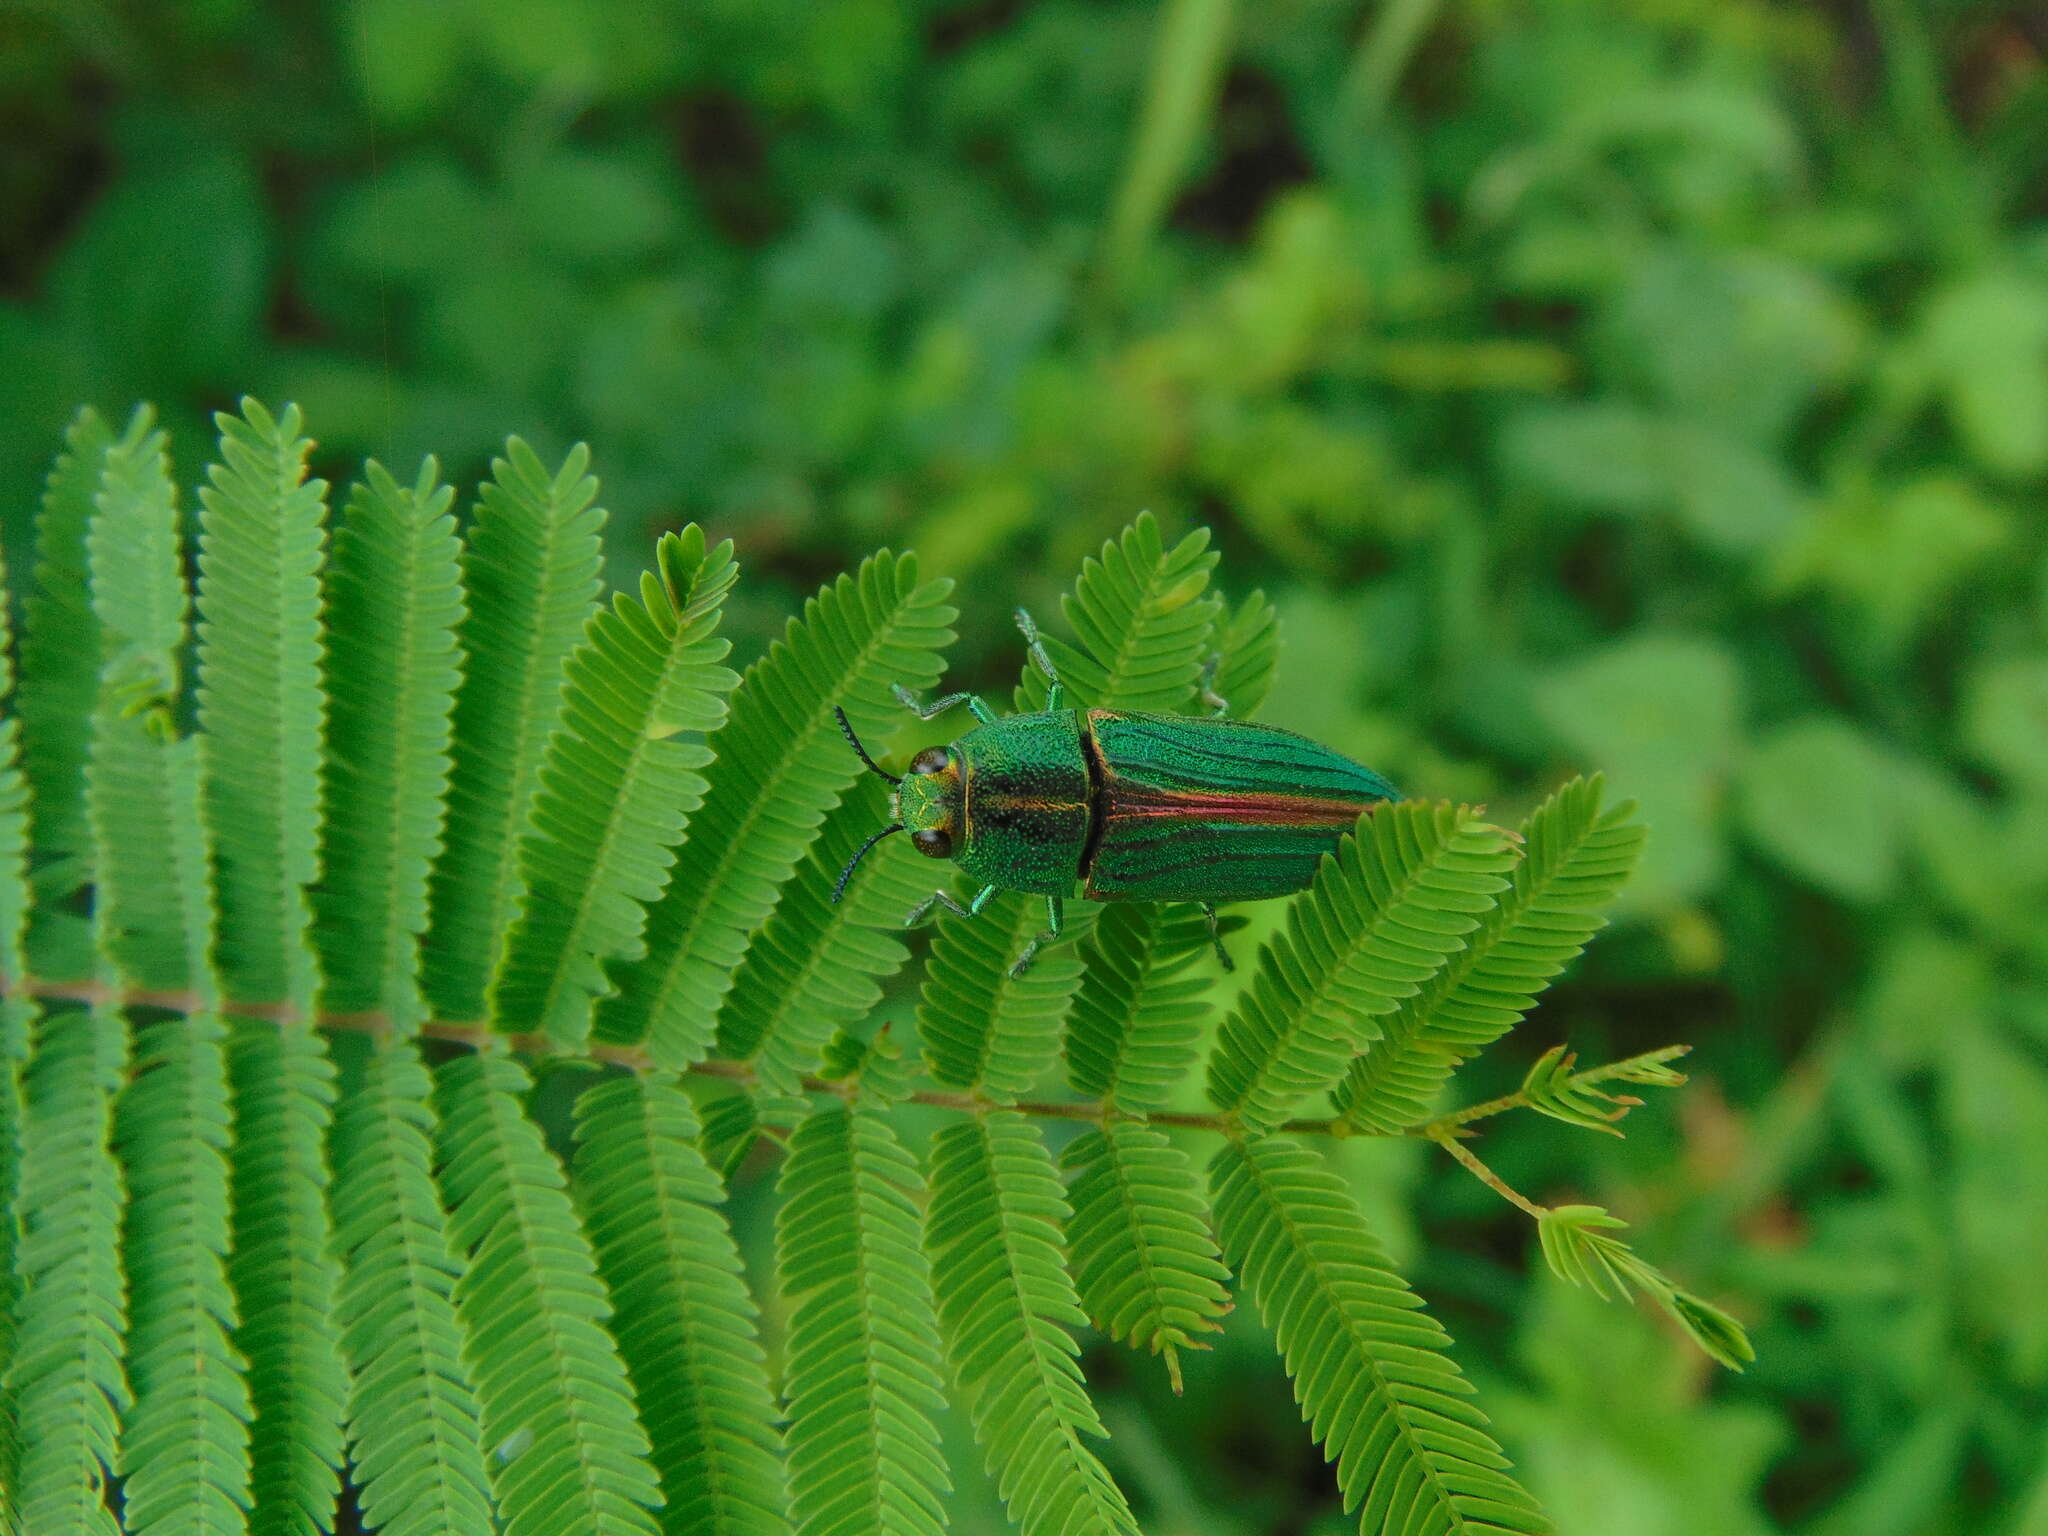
[1658, 386]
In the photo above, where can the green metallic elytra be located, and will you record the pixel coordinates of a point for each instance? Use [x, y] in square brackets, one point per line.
[1127, 806]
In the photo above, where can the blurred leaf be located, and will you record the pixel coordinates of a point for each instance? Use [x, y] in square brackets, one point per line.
[506, 325]
[1620, 1443]
[1187, 62]
[1598, 454]
[1819, 796]
[1928, 987]
[840, 265]
[1298, 477]
[1738, 344]
[1909, 1485]
[1994, 1100]
[845, 58]
[1895, 551]
[585, 207]
[421, 221]
[1661, 713]
[165, 284]
[1610, 457]
[1300, 291]
[540, 40]
[1730, 495]
[2033, 1515]
[2005, 716]
[1985, 338]
[1974, 862]
[405, 52]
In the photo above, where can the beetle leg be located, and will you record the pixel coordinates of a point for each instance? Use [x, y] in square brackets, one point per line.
[1211, 699]
[979, 710]
[1055, 694]
[945, 899]
[1222, 955]
[1055, 912]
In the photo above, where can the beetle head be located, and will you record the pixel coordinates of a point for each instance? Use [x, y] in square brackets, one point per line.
[928, 802]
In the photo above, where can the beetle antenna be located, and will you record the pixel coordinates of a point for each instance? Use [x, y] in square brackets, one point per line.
[846, 726]
[853, 863]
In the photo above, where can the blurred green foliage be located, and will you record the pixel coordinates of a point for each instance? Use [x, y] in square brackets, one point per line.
[1652, 385]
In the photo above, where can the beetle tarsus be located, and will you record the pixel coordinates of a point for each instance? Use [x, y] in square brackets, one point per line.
[975, 706]
[1055, 915]
[1216, 937]
[945, 899]
[1055, 691]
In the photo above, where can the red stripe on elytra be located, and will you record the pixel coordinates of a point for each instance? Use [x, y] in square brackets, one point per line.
[1258, 810]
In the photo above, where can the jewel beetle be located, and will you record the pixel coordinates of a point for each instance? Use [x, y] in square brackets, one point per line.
[1128, 806]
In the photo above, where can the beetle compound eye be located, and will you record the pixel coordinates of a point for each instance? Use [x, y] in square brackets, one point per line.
[930, 760]
[933, 843]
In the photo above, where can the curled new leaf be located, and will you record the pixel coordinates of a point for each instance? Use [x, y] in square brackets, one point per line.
[1553, 1088]
[1580, 1246]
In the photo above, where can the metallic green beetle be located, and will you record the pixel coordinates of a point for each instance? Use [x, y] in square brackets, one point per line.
[1129, 806]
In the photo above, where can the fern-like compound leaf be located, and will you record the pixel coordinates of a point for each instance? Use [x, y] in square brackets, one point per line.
[1576, 858]
[984, 1027]
[414, 1427]
[282, 1272]
[530, 576]
[1380, 1395]
[153, 903]
[1005, 1304]
[60, 653]
[684, 1319]
[134, 570]
[1386, 911]
[781, 764]
[1142, 616]
[1137, 1019]
[566, 1448]
[1580, 1246]
[65, 1376]
[185, 1438]
[1249, 643]
[394, 599]
[818, 965]
[616, 787]
[862, 1373]
[1144, 1263]
[260, 539]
